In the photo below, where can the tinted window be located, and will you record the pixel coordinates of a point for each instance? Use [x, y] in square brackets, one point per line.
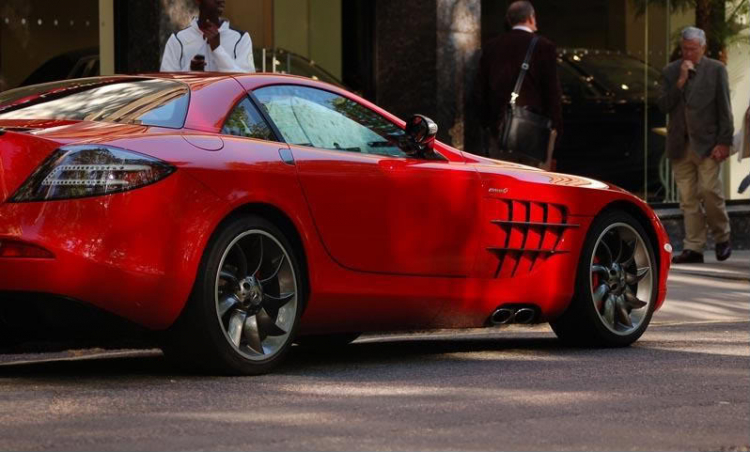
[153, 102]
[621, 74]
[246, 121]
[573, 84]
[317, 118]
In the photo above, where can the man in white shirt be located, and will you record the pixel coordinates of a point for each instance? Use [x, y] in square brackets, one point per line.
[209, 44]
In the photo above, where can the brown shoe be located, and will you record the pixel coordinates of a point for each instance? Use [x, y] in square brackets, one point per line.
[688, 257]
[723, 251]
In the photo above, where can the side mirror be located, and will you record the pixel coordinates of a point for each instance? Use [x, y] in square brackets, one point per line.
[421, 132]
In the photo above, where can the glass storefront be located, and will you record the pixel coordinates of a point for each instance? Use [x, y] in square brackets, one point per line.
[43, 41]
[610, 57]
[611, 54]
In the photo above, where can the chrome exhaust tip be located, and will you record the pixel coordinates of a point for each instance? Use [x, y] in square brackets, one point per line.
[525, 315]
[503, 316]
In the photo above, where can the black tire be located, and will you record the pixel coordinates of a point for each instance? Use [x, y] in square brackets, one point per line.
[327, 340]
[583, 324]
[199, 339]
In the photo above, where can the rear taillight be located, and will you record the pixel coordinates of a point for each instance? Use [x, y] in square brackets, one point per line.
[90, 170]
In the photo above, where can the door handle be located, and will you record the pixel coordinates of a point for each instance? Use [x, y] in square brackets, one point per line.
[286, 156]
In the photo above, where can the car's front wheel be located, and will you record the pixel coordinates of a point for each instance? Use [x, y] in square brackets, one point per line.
[616, 285]
[245, 307]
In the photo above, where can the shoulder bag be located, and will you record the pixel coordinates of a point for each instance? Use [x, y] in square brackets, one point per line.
[524, 131]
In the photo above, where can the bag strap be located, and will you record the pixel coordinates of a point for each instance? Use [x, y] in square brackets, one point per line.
[524, 69]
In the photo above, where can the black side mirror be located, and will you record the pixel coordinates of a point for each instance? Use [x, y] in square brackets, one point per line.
[421, 132]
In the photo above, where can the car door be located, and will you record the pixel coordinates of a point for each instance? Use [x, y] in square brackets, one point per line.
[376, 209]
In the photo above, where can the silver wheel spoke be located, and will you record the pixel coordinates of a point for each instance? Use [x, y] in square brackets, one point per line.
[599, 295]
[226, 275]
[600, 269]
[275, 272]
[609, 311]
[239, 254]
[252, 334]
[630, 260]
[639, 275]
[620, 248]
[236, 321]
[622, 312]
[607, 252]
[268, 325]
[633, 302]
[226, 304]
[260, 259]
[276, 303]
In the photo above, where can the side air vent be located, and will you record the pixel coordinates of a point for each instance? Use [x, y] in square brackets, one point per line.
[526, 233]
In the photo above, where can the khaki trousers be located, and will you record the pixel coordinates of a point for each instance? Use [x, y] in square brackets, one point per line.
[698, 181]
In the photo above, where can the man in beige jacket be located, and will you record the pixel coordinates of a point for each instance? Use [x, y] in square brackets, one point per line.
[695, 94]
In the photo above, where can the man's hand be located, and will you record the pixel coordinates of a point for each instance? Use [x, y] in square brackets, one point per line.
[211, 34]
[720, 152]
[198, 63]
[685, 69]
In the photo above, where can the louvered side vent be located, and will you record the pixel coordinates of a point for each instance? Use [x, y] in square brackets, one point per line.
[527, 234]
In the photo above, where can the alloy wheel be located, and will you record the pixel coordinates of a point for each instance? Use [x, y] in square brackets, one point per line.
[256, 295]
[621, 279]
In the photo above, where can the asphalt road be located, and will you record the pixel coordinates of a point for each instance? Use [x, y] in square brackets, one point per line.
[684, 386]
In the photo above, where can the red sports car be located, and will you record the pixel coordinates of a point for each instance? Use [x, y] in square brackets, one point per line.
[238, 214]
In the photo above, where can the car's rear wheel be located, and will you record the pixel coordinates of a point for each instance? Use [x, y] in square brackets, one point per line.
[245, 307]
[616, 285]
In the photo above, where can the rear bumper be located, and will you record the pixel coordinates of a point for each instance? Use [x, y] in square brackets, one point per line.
[133, 254]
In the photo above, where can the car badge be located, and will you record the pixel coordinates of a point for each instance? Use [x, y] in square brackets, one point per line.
[499, 190]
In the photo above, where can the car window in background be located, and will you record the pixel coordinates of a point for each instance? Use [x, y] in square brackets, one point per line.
[312, 117]
[622, 75]
[152, 102]
[246, 121]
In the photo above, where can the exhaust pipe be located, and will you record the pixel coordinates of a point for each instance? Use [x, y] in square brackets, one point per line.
[525, 315]
[503, 316]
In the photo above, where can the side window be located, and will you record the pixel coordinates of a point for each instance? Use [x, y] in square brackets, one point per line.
[317, 118]
[246, 121]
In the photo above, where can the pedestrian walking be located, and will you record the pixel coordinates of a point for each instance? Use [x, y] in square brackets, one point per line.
[209, 44]
[499, 69]
[695, 94]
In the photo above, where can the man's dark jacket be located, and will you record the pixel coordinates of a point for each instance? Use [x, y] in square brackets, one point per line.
[704, 116]
[498, 71]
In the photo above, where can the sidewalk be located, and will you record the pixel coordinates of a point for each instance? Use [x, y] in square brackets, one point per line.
[709, 292]
[735, 268]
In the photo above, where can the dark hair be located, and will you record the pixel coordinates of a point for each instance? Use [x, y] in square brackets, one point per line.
[519, 12]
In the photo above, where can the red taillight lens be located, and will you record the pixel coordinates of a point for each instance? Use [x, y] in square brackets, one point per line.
[12, 248]
[80, 171]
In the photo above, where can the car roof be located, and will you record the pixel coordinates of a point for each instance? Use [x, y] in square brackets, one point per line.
[259, 78]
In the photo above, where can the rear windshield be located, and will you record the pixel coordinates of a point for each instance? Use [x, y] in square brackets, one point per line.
[151, 102]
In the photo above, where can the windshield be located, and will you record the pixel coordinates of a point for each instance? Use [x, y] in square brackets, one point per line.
[152, 102]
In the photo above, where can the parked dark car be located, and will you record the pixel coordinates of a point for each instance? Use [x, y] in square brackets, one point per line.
[609, 111]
